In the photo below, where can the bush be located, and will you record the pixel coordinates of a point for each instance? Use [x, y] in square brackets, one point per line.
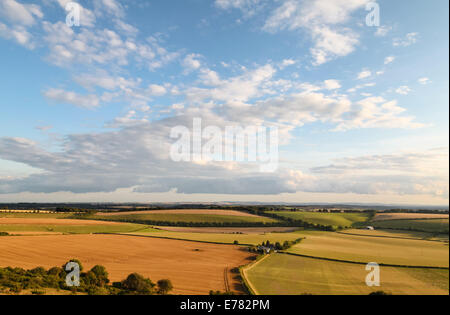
[164, 286]
[135, 283]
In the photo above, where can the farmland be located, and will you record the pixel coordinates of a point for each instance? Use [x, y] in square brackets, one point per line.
[423, 225]
[186, 216]
[333, 219]
[247, 239]
[292, 275]
[408, 216]
[198, 258]
[369, 249]
[50, 225]
[402, 234]
[194, 268]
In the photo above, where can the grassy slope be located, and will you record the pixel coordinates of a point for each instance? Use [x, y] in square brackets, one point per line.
[426, 225]
[334, 219]
[285, 274]
[197, 218]
[370, 249]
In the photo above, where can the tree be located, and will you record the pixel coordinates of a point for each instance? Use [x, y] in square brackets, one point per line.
[138, 284]
[101, 275]
[164, 286]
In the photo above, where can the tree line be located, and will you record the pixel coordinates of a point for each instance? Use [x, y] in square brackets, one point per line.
[92, 282]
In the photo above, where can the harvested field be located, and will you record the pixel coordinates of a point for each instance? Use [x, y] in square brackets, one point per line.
[408, 216]
[257, 230]
[182, 211]
[193, 268]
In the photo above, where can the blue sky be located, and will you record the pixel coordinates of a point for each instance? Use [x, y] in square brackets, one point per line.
[86, 112]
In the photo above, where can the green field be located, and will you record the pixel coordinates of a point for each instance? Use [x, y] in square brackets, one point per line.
[291, 275]
[245, 239]
[184, 218]
[370, 249]
[425, 225]
[333, 219]
[71, 229]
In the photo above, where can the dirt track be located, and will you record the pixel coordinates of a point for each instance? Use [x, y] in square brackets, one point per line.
[193, 268]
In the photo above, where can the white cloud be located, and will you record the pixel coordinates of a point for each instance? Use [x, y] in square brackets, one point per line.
[248, 7]
[72, 98]
[408, 40]
[18, 34]
[110, 7]
[191, 62]
[424, 81]
[322, 19]
[389, 60]
[376, 112]
[383, 31]
[330, 44]
[332, 84]
[403, 90]
[157, 90]
[16, 12]
[364, 74]
[287, 62]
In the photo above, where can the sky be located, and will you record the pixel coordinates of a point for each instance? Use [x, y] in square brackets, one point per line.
[88, 109]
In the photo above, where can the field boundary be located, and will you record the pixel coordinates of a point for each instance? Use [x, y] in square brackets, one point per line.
[363, 263]
[242, 270]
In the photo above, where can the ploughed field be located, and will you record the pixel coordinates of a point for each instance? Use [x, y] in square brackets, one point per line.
[193, 268]
[293, 275]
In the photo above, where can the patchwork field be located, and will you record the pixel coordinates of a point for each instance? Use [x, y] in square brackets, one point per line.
[423, 225]
[370, 249]
[406, 216]
[291, 275]
[24, 226]
[193, 268]
[221, 237]
[186, 216]
[333, 219]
